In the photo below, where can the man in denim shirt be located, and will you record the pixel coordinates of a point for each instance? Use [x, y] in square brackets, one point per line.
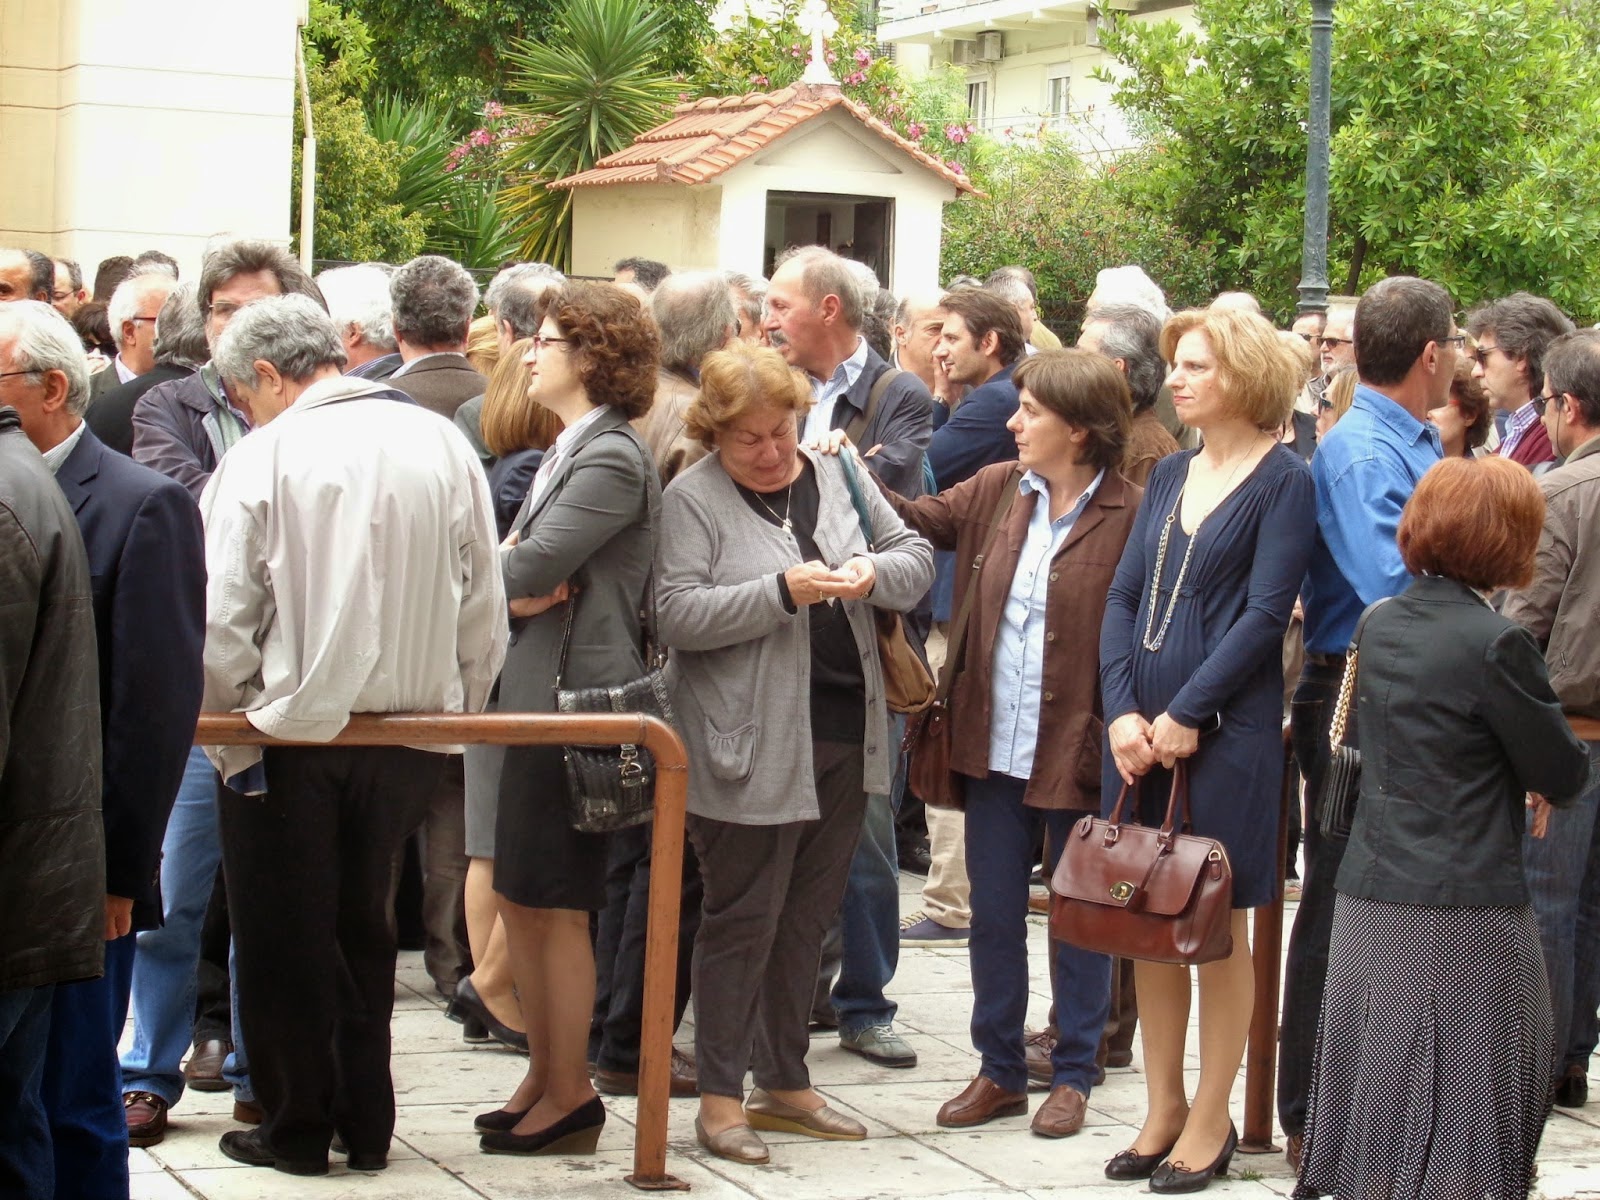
[1406, 346]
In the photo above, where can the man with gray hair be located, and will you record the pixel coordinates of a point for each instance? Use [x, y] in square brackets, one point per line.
[358, 301]
[514, 299]
[132, 316]
[69, 294]
[434, 299]
[1130, 336]
[146, 556]
[1130, 285]
[749, 294]
[1040, 337]
[179, 350]
[310, 619]
[694, 312]
[25, 275]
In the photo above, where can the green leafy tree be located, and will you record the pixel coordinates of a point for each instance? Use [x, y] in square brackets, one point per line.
[458, 53]
[1476, 169]
[596, 83]
[1042, 206]
[357, 215]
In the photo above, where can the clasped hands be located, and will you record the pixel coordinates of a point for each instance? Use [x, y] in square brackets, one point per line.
[1138, 745]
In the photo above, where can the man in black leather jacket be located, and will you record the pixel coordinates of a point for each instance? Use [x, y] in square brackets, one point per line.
[52, 857]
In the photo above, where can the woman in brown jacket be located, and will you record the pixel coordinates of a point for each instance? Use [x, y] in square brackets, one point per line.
[1028, 682]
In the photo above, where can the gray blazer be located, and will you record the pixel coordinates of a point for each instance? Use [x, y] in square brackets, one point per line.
[741, 663]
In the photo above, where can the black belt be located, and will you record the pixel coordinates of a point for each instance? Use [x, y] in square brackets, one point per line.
[1325, 660]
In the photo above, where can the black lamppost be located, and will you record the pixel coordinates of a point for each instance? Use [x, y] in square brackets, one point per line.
[1314, 255]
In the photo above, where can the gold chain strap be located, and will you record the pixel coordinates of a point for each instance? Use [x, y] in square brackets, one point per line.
[1347, 689]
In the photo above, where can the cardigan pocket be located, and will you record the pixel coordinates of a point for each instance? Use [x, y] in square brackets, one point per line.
[731, 755]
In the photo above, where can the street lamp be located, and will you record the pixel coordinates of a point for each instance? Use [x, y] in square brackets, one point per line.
[1314, 254]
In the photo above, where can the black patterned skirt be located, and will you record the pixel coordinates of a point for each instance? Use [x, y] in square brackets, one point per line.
[1432, 1072]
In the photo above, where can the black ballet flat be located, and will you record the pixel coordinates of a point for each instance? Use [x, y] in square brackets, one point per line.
[576, 1133]
[1170, 1179]
[498, 1121]
[1131, 1165]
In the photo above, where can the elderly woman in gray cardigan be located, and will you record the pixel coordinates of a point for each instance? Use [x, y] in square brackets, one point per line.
[766, 590]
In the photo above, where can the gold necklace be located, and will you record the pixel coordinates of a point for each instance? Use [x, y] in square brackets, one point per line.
[788, 495]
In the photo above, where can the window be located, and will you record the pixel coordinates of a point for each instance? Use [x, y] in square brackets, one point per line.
[1058, 98]
[978, 99]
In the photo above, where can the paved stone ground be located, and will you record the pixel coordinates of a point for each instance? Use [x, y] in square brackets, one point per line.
[440, 1083]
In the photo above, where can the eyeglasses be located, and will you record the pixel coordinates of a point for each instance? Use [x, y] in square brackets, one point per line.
[1539, 403]
[60, 296]
[9, 374]
[1309, 339]
[540, 342]
[1481, 354]
[1328, 341]
[1458, 340]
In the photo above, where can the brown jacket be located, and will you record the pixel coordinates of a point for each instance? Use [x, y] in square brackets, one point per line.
[1067, 767]
[662, 427]
[1148, 443]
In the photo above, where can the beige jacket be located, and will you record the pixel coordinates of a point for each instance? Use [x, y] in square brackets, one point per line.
[351, 551]
[1561, 607]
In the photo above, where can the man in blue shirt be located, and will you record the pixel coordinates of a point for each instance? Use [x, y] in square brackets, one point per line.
[981, 342]
[1406, 348]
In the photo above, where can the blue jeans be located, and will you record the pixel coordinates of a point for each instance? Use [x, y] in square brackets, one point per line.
[164, 967]
[82, 1087]
[1563, 870]
[869, 921]
[27, 1171]
[1000, 842]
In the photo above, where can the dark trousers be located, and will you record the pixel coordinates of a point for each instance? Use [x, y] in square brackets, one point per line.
[620, 943]
[770, 895]
[26, 1169]
[1311, 715]
[443, 842]
[213, 1008]
[82, 1086]
[1001, 833]
[308, 868]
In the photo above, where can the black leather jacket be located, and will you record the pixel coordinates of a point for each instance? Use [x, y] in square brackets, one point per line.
[52, 853]
[1457, 722]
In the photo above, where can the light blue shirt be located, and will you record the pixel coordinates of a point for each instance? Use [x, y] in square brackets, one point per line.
[827, 392]
[1019, 646]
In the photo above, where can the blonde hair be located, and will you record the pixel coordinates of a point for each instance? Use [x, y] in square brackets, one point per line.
[510, 421]
[483, 345]
[738, 379]
[1341, 391]
[1301, 349]
[1256, 371]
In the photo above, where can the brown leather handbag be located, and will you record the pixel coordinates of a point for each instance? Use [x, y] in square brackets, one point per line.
[1162, 895]
[928, 735]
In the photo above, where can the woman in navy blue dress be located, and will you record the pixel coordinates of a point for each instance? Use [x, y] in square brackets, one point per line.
[1191, 668]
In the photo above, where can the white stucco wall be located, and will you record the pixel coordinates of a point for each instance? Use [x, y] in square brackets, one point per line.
[131, 126]
[670, 223]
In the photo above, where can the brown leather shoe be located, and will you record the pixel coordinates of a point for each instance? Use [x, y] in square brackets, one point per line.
[203, 1071]
[979, 1103]
[247, 1112]
[1291, 1150]
[1036, 1051]
[685, 1081]
[147, 1118]
[1061, 1115]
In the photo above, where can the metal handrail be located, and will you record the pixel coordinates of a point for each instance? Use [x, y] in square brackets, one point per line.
[666, 870]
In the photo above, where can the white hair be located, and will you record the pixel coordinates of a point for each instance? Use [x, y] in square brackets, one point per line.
[131, 294]
[1129, 285]
[291, 332]
[46, 342]
[520, 273]
[359, 296]
[867, 279]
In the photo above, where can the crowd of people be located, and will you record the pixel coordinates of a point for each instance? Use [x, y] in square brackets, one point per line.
[1132, 565]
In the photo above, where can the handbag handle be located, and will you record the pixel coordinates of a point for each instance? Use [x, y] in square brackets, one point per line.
[957, 644]
[1347, 684]
[653, 653]
[1177, 804]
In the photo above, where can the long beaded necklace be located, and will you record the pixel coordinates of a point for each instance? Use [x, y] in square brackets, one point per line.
[788, 495]
[1154, 638]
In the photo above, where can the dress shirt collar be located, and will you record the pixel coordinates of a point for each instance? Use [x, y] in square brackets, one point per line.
[1392, 414]
[844, 375]
[125, 374]
[422, 358]
[1033, 483]
[62, 450]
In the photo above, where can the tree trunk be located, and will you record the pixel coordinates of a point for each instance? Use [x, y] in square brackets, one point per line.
[1358, 255]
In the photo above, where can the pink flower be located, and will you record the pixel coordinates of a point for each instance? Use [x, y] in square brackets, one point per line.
[956, 133]
[832, 57]
[856, 77]
[760, 81]
[493, 111]
[862, 57]
[955, 166]
[797, 51]
[481, 137]
[915, 130]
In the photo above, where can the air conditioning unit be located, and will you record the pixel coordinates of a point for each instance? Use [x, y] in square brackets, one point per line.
[963, 53]
[1092, 28]
[991, 46]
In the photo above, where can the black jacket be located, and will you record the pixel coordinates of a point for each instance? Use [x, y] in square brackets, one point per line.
[902, 425]
[1457, 720]
[52, 856]
[110, 416]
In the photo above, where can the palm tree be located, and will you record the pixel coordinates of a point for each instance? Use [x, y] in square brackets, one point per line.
[589, 89]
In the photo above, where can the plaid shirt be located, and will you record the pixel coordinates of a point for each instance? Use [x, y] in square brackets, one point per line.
[1517, 426]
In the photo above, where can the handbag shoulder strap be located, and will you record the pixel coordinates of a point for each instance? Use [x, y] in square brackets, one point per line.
[1347, 685]
[958, 628]
[856, 427]
[652, 499]
[852, 481]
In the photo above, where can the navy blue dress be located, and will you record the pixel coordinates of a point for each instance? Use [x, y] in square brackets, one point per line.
[1222, 654]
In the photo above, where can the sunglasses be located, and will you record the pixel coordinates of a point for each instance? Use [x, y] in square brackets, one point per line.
[1541, 402]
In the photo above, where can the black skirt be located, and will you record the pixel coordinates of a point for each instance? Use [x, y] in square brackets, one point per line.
[540, 861]
[1432, 1069]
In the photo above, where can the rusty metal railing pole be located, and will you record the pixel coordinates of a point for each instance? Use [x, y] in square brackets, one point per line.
[666, 872]
[1261, 1059]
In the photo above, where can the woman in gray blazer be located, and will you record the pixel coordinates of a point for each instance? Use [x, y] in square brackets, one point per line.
[767, 588]
[584, 538]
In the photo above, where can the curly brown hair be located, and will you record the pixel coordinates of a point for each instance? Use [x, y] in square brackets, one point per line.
[613, 342]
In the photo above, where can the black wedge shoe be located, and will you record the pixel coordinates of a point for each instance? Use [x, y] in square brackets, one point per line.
[468, 1010]
[576, 1133]
[1131, 1165]
[1171, 1179]
[501, 1120]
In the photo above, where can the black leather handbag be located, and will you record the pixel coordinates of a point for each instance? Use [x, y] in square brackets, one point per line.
[1341, 781]
[614, 787]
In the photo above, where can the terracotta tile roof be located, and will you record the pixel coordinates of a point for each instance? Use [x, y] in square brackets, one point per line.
[706, 137]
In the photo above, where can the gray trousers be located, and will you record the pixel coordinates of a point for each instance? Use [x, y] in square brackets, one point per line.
[771, 892]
